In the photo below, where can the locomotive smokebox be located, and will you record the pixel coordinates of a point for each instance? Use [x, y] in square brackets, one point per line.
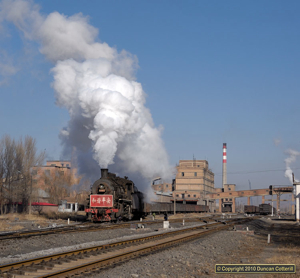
[104, 173]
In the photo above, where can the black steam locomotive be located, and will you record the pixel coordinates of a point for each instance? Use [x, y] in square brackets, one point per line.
[114, 198]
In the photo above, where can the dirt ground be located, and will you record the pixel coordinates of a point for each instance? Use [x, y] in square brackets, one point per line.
[284, 247]
[20, 221]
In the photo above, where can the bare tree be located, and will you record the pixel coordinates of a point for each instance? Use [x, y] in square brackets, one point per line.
[30, 158]
[58, 184]
[17, 159]
[9, 168]
[2, 195]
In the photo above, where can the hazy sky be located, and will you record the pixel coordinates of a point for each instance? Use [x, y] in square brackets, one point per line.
[213, 72]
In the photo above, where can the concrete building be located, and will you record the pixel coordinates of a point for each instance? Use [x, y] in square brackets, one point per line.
[54, 174]
[158, 185]
[162, 191]
[194, 180]
[51, 167]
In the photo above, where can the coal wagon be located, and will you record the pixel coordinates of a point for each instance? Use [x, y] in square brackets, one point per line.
[158, 208]
[266, 209]
[249, 209]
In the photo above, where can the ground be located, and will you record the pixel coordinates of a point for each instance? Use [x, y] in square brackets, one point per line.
[194, 259]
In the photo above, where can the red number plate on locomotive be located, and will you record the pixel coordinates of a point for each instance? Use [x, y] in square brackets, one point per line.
[104, 201]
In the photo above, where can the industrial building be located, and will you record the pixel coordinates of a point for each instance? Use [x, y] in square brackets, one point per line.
[55, 175]
[194, 180]
[194, 184]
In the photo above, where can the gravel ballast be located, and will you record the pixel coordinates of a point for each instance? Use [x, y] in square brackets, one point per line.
[192, 259]
[21, 249]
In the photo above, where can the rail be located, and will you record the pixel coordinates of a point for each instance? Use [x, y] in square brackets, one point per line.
[93, 258]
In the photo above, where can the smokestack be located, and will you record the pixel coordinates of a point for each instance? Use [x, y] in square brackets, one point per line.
[224, 165]
[104, 173]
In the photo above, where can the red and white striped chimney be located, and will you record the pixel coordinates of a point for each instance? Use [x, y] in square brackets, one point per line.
[224, 165]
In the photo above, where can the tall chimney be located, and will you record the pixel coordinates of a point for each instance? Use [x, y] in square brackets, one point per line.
[224, 165]
[104, 173]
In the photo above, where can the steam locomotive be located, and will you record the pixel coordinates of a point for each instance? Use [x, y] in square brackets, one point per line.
[113, 198]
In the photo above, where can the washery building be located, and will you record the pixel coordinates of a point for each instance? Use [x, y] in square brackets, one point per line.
[194, 180]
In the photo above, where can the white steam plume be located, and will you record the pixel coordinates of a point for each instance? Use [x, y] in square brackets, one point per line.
[96, 83]
[288, 161]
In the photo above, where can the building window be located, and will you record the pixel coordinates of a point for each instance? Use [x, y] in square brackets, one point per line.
[68, 165]
[34, 172]
[47, 172]
[195, 174]
[177, 195]
[167, 185]
[195, 196]
[53, 165]
[226, 199]
[230, 199]
[182, 195]
[189, 195]
[182, 174]
[230, 193]
[229, 188]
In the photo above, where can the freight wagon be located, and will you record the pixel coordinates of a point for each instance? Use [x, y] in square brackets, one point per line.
[251, 209]
[169, 208]
[227, 208]
[265, 209]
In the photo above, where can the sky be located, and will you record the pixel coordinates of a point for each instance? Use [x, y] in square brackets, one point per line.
[213, 72]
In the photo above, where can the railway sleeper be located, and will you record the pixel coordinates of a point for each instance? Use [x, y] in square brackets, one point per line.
[17, 272]
[73, 257]
[6, 275]
[31, 269]
[39, 266]
[83, 256]
[95, 252]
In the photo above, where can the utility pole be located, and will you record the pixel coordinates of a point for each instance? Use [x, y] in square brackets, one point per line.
[250, 189]
[174, 204]
[30, 193]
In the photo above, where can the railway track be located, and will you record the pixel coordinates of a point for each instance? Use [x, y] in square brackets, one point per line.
[88, 227]
[93, 259]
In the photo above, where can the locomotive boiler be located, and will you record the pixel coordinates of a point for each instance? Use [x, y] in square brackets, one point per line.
[114, 198]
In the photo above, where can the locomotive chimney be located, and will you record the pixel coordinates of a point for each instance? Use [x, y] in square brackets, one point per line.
[104, 173]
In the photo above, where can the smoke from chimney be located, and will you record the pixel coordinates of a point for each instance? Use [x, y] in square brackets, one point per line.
[288, 161]
[96, 84]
